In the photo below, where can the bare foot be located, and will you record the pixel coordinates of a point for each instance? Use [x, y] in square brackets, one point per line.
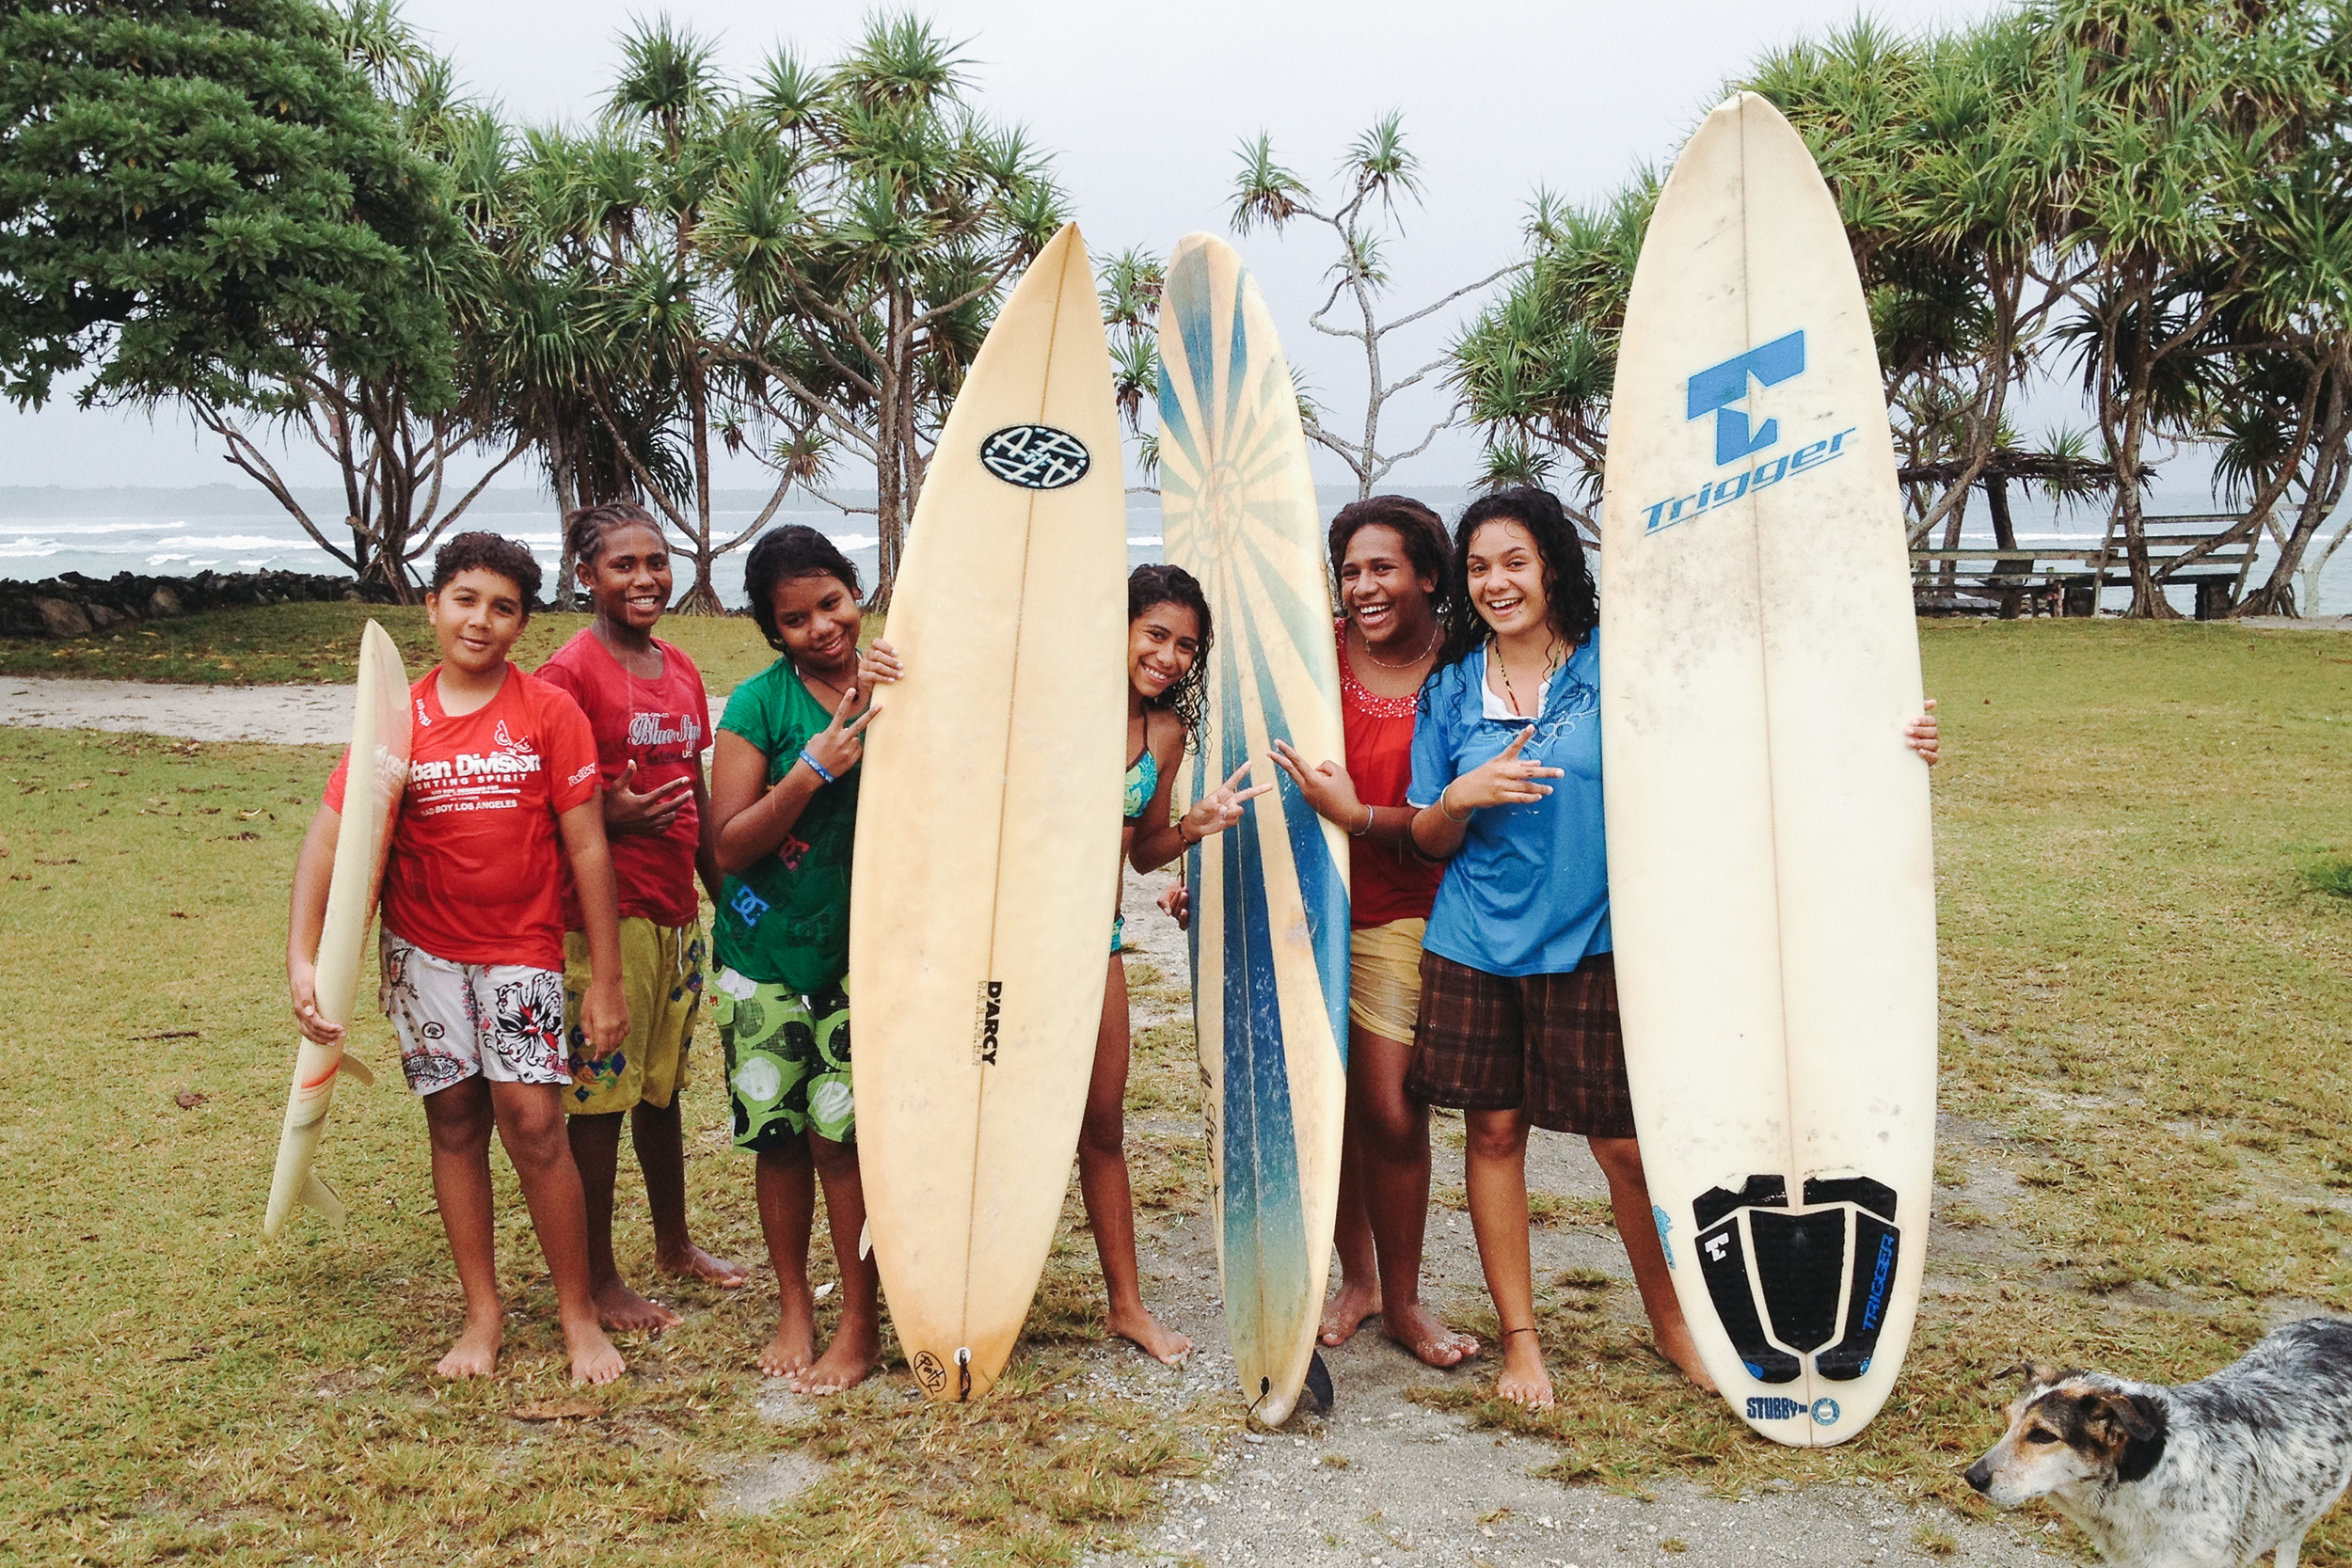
[476, 1352]
[1415, 1329]
[1344, 1314]
[795, 1344]
[1677, 1347]
[855, 1352]
[1524, 1382]
[1161, 1344]
[622, 1308]
[593, 1358]
[695, 1263]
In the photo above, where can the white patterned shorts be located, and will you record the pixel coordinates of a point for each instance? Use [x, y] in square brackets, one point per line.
[504, 1022]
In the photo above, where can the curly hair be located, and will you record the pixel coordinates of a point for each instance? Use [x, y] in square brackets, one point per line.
[490, 552]
[794, 550]
[1188, 698]
[1427, 548]
[1570, 597]
[584, 530]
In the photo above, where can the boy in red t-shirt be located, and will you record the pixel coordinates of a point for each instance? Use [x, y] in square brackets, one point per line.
[501, 767]
[644, 702]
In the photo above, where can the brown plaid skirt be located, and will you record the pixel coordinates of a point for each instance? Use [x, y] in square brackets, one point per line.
[1546, 1044]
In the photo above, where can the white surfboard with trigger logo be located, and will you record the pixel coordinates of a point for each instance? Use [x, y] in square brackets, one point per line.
[1771, 882]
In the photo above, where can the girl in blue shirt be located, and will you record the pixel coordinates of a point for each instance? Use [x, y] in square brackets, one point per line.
[1518, 1008]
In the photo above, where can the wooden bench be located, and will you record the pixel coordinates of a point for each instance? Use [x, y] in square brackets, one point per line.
[2067, 581]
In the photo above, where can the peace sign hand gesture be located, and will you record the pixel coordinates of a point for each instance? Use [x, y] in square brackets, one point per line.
[1505, 778]
[837, 746]
[1219, 809]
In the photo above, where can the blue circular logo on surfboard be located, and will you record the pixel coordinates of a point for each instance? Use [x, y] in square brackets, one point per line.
[1825, 1413]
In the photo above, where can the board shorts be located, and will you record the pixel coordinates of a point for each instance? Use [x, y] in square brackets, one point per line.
[1547, 1045]
[661, 980]
[504, 1022]
[1384, 979]
[787, 1061]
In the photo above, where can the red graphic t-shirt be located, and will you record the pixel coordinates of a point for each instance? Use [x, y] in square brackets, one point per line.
[661, 726]
[1384, 884]
[474, 871]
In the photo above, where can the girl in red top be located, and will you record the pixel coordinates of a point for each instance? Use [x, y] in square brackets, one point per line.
[1390, 553]
[644, 702]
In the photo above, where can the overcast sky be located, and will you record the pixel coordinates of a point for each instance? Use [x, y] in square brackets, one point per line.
[1142, 107]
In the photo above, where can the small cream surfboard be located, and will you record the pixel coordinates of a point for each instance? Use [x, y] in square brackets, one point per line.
[1771, 884]
[987, 872]
[1269, 897]
[372, 792]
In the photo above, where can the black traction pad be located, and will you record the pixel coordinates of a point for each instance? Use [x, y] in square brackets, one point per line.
[1799, 1263]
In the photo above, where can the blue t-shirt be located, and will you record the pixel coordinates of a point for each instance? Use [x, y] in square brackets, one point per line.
[1528, 892]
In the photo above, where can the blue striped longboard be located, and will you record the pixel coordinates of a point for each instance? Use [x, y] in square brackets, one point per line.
[1269, 930]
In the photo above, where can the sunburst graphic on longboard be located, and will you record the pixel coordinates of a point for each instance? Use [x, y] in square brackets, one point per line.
[1270, 932]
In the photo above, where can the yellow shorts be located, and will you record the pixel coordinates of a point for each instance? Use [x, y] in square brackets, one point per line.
[662, 979]
[1384, 979]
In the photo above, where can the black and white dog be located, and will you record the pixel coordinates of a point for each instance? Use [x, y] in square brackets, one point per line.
[2210, 1474]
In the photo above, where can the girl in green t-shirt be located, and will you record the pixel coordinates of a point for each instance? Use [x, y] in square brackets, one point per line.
[784, 801]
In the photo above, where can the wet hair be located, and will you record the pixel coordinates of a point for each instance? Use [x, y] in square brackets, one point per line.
[489, 553]
[1427, 548]
[794, 550]
[1569, 596]
[1188, 698]
[584, 530]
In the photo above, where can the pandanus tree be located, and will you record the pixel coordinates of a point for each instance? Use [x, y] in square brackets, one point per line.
[2151, 194]
[572, 205]
[1534, 368]
[2169, 133]
[1377, 171]
[658, 309]
[2285, 416]
[864, 238]
[1131, 283]
[1940, 154]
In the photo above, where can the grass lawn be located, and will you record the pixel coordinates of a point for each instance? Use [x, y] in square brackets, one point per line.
[2147, 1044]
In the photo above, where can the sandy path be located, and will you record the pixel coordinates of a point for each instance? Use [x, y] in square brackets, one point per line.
[288, 715]
[1382, 1480]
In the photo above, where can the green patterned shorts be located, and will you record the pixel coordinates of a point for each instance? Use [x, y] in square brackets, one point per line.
[788, 1060]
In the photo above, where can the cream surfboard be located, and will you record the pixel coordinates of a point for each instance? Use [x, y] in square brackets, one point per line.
[1269, 926]
[987, 873]
[1771, 883]
[372, 791]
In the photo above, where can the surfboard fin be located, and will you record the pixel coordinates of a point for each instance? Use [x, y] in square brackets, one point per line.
[1318, 1387]
[319, 1196]
[866, 1242]
[356, 1070]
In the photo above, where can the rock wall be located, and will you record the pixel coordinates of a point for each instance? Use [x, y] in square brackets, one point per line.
[71, 605]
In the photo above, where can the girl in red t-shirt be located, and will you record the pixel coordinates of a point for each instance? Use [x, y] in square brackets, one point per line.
[645, 703]
[1390, 554]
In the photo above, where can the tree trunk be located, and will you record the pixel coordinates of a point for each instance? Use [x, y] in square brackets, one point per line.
[703, 598]
[894, 435]
[2276, 596]
[2004, 529]
[566, 485]
[2148, 600]
[1953, 520]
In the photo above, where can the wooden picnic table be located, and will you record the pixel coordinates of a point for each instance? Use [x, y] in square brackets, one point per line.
[2067, 580]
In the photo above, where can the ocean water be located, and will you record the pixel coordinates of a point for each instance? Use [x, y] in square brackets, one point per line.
[183, 543]
[167, 533]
